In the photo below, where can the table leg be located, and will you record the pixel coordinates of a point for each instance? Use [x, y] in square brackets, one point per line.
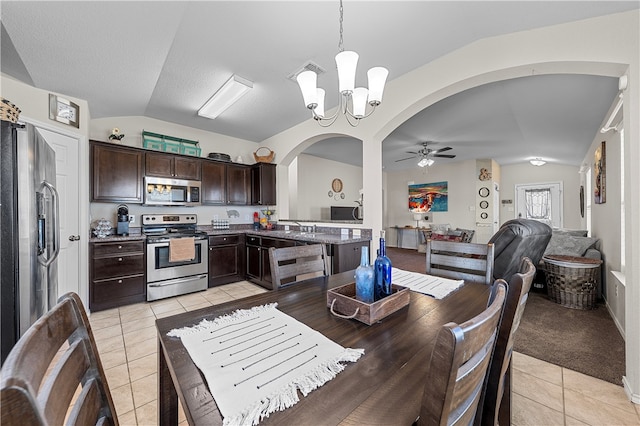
[167, 396]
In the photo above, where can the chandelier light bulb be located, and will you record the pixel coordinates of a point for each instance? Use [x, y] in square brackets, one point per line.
[359, 100]
[307, 81]
[318, 111]
[377, 77]
[347, 62]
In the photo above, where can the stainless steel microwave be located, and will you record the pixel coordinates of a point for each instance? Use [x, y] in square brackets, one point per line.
[171, 192]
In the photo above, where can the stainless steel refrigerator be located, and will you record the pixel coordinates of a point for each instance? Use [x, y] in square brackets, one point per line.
[30, 232]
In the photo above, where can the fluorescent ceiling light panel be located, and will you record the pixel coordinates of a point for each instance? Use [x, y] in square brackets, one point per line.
[226, 96]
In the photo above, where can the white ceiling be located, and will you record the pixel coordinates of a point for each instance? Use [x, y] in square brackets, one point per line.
[165, 59]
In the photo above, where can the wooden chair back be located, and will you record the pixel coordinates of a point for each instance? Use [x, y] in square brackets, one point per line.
[292, 264]
[464, 261]
[52, 362]
[458, 367]
[497, 399]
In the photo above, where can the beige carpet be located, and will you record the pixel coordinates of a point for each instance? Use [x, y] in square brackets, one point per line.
[583, 341]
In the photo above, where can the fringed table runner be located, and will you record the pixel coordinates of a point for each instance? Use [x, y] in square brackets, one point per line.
[256, 359]
[430, 285]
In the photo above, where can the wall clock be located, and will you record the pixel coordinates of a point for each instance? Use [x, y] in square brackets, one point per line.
[64, 111]
[484, 192]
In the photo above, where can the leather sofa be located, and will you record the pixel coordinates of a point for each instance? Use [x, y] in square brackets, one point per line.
[518, 238]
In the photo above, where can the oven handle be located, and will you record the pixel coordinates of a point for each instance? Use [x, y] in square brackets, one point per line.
[178, 281]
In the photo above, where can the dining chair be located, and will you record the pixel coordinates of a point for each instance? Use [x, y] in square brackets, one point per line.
[292, 264]
[458, 366]
[52, 363]
[496, 407]
[471, 262]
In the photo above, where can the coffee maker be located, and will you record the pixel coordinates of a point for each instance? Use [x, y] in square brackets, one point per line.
[123, 220]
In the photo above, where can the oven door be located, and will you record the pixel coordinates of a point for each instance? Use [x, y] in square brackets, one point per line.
[159, 268]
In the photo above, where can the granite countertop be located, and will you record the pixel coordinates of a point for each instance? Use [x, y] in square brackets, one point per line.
[320, 236]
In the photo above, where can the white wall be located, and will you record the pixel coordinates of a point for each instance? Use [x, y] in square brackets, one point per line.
[314, 183]
[460, 177]
[525, 173]
[132, 128]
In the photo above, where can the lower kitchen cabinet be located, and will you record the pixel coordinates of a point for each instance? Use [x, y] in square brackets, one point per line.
[226, 259]
[346, 256]
[258, 266]
[117, 274]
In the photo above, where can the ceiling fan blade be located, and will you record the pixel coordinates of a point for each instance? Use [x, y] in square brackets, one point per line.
[403, 159]
[444, 155]
[446, 148]
[412, 152]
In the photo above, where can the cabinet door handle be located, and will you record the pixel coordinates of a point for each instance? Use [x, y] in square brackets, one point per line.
[119, 259]
[119, 247]
[74, 237]
[119, 281]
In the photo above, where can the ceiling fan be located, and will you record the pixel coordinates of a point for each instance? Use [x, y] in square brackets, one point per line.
[426, 154]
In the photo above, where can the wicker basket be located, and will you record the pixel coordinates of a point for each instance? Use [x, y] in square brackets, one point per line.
[8, 111]
[572, 281]
[264, 158]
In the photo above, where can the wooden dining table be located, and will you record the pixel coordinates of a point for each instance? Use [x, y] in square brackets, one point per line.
[384, 386]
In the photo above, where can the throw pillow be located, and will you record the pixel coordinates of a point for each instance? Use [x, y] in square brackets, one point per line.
[568, 245]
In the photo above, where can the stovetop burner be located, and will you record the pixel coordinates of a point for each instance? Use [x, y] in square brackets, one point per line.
[159, 227]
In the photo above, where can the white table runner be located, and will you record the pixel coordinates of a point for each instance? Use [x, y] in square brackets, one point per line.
[430, 285]
[256, 359]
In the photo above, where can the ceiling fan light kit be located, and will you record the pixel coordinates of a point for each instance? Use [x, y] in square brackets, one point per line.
[426, 162]
[426, 154]
[359, 97]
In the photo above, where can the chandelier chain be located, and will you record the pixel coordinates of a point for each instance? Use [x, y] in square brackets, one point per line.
[340, 42]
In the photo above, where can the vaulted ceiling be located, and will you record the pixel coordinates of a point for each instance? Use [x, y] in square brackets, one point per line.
[165, 59]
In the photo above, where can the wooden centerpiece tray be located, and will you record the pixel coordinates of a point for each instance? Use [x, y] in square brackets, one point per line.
[343, 303]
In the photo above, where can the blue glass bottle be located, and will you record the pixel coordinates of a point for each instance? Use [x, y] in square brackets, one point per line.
[382, 267]
[364, 278]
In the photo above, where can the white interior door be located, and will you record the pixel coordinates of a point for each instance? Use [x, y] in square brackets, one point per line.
[540, 201]
[67, 182]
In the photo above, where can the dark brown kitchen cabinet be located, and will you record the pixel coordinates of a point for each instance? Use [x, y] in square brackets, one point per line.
[226, 259]
[116, 173]
[117, 274]
[258, 265]
[238, 184]
[263, 184]
[346, 257]
[214, 182]
[172, 166]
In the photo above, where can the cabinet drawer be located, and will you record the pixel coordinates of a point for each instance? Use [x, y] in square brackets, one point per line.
[106, 290]
[114, 248]
[270, 242]
[224, 240]
[116, 266]
[253, 241]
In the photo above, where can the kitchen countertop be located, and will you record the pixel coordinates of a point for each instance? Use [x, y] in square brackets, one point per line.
[319, 236]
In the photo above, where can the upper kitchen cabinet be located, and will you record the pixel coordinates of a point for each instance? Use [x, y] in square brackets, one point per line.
[116, 173]
[238, 184]
[214, 182]
[263, 184]
[172, 166]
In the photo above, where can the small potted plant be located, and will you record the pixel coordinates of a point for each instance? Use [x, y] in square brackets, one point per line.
[115, 134]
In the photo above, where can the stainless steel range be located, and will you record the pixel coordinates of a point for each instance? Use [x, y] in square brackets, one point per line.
[169, 272]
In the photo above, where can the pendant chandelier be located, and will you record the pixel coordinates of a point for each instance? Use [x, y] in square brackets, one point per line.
[358, 97]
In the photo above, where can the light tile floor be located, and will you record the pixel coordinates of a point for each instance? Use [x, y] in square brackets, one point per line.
[543, 393]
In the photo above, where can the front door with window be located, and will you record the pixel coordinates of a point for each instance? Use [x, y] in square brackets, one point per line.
[540, 201]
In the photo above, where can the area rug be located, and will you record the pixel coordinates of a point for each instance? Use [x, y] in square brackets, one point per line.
[586, 341]
[583, 341]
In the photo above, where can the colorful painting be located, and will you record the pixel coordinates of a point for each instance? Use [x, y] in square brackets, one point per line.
[428, 197]
[600, 166]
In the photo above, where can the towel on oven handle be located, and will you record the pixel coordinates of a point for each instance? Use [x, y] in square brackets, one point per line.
[182, 249]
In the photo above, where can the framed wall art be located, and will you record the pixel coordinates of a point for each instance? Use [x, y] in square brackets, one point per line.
[64, 111]
[600, 167]
[429, 197]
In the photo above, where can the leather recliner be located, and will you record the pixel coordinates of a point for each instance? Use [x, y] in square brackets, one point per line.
[518, 238]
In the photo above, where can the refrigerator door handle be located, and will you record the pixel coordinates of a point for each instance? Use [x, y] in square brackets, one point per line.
[55, 224]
